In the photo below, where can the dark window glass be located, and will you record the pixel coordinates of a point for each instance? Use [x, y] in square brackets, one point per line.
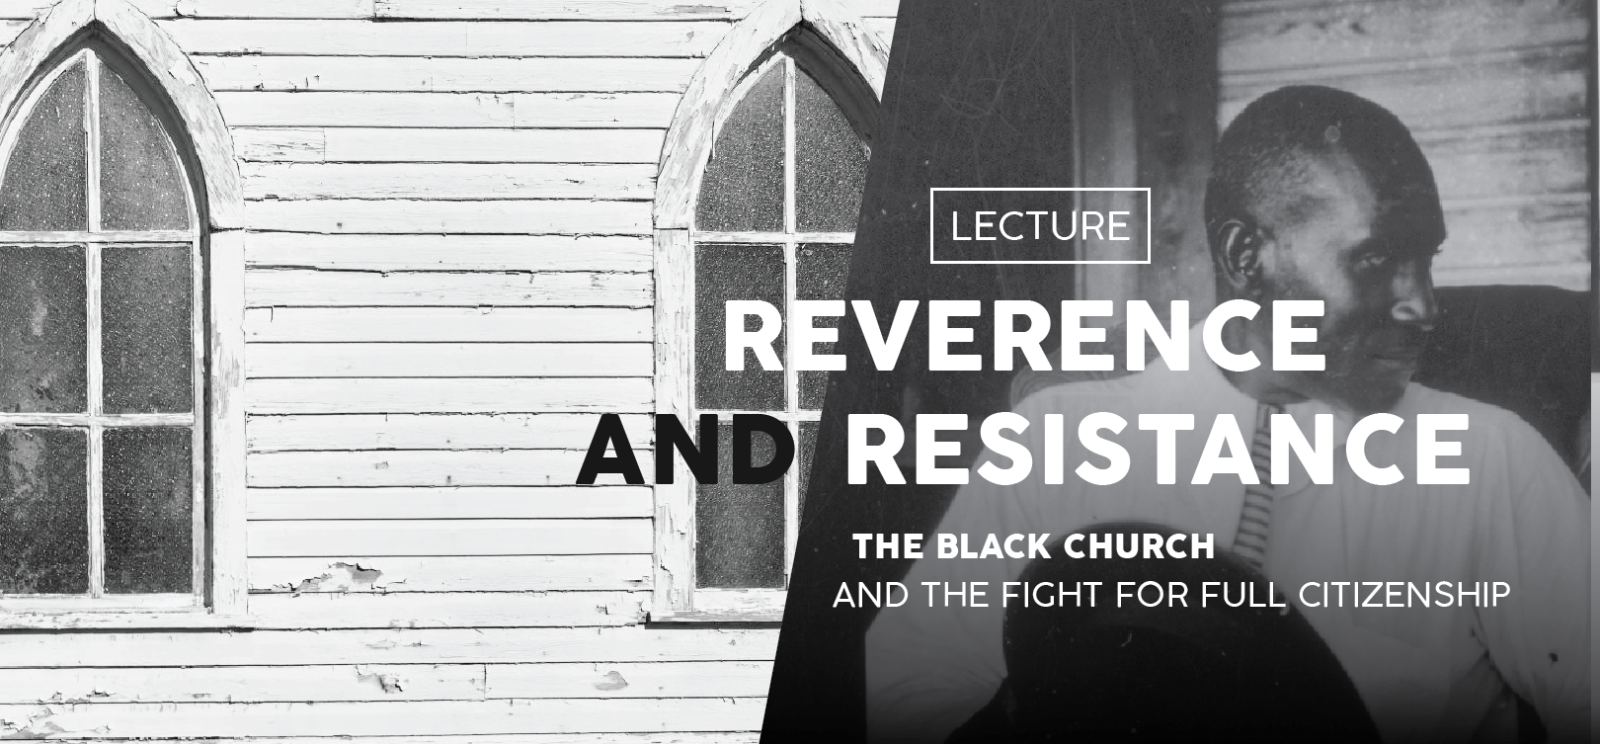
[44, 185]
[739, 529]
[742, 187]
[44, 505]
[149, 508]
[735, 272]
[42, 329]
[141, 184]
[808, 451]
[147, 348]
[820, 274]
[830, 161]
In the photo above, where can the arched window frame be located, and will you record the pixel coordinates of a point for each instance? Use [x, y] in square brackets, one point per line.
[850, 61]
[205, 149]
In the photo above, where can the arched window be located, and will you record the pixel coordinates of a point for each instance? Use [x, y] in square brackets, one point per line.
[759, 195]
[102, 334]
[774, 221]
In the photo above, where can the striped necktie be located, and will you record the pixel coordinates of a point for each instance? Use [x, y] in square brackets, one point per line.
[1255, 519]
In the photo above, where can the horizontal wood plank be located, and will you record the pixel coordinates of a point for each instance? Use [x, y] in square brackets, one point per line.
[689, 679]
[448, 74]
[434, 432]
[386, 682]
[1276, 35]
[453, 181]
[549, 502]
[425, 468]
[555, 395]
[572, 609]
[449, 110]
[675, 737]
[629, 253]
[615, 10]
[1530, 86]
[562, 217]
[315, 288]
[397, 574]
[381, 145]
[142, 720]
[450, 360]
[450, 537]
[252, 684]
[446, 38]
[447, 324]
[446, 646]
[255, 9]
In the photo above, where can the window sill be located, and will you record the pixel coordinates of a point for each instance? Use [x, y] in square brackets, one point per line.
[729, 606]
[104, 620]
[712, 617]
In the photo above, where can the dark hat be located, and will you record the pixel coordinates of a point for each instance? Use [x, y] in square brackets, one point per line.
[1165, 673]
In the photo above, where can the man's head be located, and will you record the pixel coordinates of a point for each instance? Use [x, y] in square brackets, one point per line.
[1319, 194]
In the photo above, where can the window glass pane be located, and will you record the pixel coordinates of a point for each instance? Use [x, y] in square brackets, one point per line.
[44, 507]
[141, 185]
[742, 188]
[42, 329]
[739, 529]
[149, 507]
[830, 161]
[44, 187]
[808, 450]
[735, 272]
[147, 349]
[820, 274]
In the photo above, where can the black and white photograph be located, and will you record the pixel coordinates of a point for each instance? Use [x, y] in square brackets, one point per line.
[640, 371]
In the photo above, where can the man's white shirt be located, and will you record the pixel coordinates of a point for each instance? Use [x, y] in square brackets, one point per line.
[1424, 673]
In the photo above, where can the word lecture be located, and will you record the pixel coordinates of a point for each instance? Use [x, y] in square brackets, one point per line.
[875, 439]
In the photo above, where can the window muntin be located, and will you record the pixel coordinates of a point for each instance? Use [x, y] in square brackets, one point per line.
[774, 221]
[101, 441]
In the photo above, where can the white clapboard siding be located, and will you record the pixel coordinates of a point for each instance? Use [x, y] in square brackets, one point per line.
[453, 181]
[391, 682]
[456, 432]
[628, 253]
[673, 737]
[399, 574]
[332, 9]
[450, 537]
[616, 10]
[139, 720]
[1257, 35]
[450, 360]
[312, 288]
[449, 110]
[689, 679]
[389, 646]
[447, 324]
[455, 75]
[354, 682]
[382, 145]
[437, 610]
[424, 468]
[432, 395]
[556, 217]
[446, 39]
[549, 502]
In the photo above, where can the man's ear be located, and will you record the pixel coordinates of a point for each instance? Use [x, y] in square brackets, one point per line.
[1239, 257]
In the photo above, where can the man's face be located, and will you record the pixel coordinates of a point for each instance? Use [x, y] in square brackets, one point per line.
[1368, 256]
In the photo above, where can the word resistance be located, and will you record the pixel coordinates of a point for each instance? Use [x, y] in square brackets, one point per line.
[875, 439]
